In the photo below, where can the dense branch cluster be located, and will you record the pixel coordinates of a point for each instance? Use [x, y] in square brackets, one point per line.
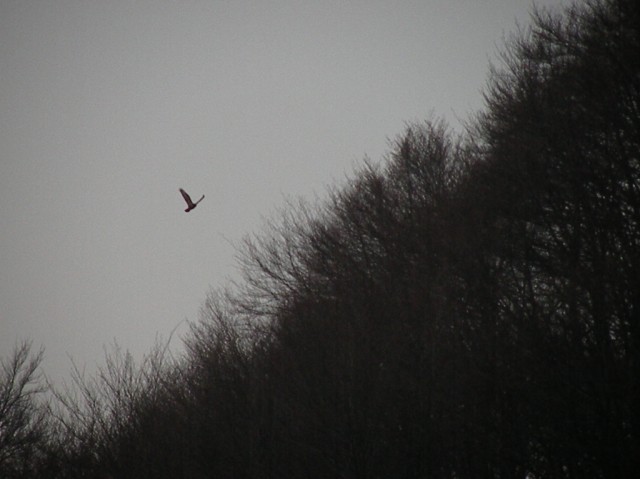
[469, 308]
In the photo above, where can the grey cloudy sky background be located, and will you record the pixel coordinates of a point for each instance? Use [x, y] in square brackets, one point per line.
[108, 107]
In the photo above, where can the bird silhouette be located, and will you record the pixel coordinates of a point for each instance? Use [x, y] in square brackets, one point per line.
[190, 204]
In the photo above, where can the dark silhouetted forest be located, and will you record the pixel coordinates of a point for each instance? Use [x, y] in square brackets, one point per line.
[467, 308]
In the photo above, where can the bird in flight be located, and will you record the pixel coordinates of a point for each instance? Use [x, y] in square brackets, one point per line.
[190, 204]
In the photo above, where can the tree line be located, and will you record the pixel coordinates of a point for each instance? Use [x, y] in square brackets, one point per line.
[469, 307]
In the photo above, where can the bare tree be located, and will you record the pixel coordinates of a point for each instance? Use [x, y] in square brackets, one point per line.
[23, 424]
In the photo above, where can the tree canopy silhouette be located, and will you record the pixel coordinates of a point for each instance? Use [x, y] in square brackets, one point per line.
[468, 308]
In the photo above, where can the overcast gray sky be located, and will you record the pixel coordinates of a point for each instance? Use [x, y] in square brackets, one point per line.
[108, 107]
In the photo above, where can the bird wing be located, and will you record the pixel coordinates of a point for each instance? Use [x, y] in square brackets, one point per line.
[186, 197]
